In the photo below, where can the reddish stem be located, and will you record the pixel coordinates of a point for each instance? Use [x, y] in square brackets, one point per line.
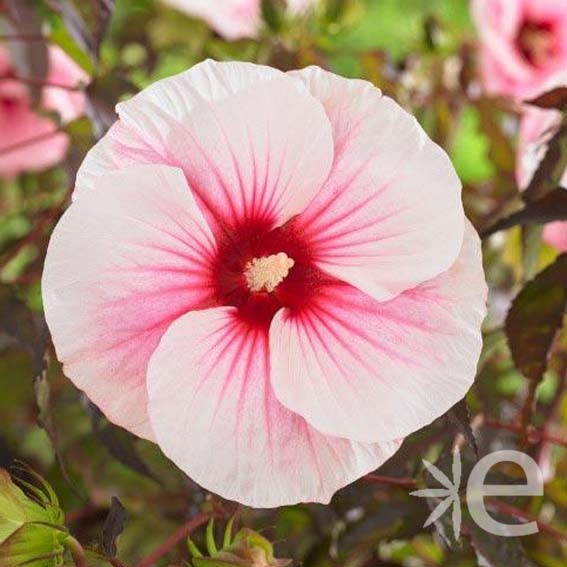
[37, 82]
[525, 415]
[36, 231]
[173, 540]
[29, 141]
[390, 480]
[76, 550]
[510, 510]
[533, 433]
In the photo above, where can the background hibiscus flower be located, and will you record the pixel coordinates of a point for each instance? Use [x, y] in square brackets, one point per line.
[523, 43]
[30, 140]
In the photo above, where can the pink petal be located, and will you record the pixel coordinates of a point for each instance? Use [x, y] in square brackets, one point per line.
[546, 10]
[208, 81]
[373, 371]
[233, 19]
[215, 416]
[18, 125]
[118, 149]
[125, 261]
[501, 15]
[64, 71]
[555, 234]
[173, 97]
[498, 23]
[504, 67]
[390, 215]
[223, 124]
[537, 127]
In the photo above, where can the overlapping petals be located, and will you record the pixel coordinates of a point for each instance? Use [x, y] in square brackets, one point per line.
[124, 262]
[371, 371]
[370, 224]
[243, 156]
[225, 427]
[285, 395]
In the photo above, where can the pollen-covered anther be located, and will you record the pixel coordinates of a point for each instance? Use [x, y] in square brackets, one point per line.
[267, 272]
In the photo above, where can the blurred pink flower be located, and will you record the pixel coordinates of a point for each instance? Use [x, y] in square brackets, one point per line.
[233, 19]
[270, 275]
[20, 123]
[523, 43]
[555, 234]
[536, 129]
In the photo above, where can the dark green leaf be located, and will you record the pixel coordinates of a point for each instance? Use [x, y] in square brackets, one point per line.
[29, 58]
[459, 416]
[335, 9]
[555, 98]
[113, 527]
[87, 22]
[273, 13]
[496, 551]
[18, 323]
[535, 317]
[551, 207]
[119, 443]
[102, 95]
[547, 176]
[46, 421]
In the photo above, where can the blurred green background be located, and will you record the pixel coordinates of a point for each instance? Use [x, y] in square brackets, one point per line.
[422, 53]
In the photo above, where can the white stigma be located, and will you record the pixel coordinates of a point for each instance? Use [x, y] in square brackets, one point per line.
[267, 272]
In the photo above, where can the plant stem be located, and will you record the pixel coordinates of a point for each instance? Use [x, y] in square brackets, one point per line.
[76, 550]
[37, 82]
[533, 433]
[185, 530]
[390, 480]
[30, 141]
[518, 513]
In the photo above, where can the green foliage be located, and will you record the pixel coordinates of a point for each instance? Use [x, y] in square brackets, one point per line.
[31, 523]
[470, 152]
[247, 549]
[535, 317]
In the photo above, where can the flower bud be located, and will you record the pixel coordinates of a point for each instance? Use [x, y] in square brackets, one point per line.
[247, 549]
[31, 522]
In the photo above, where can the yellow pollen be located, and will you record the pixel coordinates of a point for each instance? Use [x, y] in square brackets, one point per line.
[267, 272]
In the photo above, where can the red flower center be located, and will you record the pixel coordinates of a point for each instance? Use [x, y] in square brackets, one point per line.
[8, 103]
[241, 248]
[537, 42]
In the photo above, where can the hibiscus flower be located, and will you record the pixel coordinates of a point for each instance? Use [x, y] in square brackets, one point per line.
[28, 140]
[270, 275]
[523, 43]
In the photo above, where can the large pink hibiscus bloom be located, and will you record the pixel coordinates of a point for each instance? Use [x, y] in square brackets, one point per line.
[536, 129]
[20, 124]
[233, 19]
[270, 275]
[524, 42]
